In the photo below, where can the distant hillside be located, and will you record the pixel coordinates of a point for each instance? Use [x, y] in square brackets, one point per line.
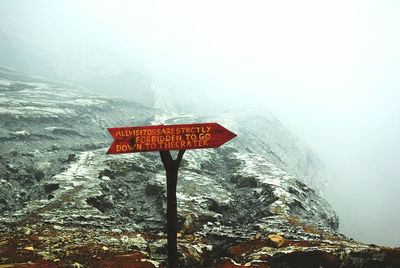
[101, 74]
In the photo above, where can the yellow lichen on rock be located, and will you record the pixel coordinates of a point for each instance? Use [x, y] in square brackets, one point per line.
[276, 240]
[29, 248]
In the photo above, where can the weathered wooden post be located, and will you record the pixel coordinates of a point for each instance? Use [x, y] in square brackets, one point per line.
[166, 138]
[171, 169]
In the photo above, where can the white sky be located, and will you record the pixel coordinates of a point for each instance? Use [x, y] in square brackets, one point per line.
[329, 69]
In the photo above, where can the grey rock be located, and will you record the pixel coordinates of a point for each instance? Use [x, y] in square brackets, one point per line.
[246, 182]
[154, 189]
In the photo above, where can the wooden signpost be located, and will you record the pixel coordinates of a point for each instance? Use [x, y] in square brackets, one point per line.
[166, 138]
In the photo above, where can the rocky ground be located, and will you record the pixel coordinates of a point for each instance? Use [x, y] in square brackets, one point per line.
[65, 203]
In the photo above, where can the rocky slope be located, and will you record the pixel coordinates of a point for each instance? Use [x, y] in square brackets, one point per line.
[64, 203]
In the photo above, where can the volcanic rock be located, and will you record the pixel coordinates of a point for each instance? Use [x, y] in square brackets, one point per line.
[89, 209]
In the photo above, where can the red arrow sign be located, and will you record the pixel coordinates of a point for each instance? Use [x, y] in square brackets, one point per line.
[168, 137]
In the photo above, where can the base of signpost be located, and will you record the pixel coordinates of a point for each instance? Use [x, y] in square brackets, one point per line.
[171, 169]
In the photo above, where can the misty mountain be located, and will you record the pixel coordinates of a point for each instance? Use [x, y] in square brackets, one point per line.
[99, 71]
[63, 201]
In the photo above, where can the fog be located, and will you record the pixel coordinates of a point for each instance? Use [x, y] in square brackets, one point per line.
[330, 70]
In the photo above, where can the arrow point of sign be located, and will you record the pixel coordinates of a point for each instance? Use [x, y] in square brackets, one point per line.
[230, 135]
[227, 133]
